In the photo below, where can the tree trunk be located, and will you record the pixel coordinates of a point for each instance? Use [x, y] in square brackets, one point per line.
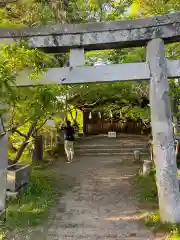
[38, 149]
[12, 147]
[162, 131]
[24, 143]
[178, 151]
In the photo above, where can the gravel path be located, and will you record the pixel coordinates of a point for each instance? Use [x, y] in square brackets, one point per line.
[101, 204]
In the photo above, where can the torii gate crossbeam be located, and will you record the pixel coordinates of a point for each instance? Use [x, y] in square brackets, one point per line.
[97, 36]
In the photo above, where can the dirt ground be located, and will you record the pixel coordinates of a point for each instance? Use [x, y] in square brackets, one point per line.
[102, 204]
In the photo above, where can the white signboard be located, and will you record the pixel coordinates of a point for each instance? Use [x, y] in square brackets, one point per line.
[112, 134]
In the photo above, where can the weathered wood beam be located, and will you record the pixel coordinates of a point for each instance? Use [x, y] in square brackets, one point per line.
[104, 35]
[97, 74]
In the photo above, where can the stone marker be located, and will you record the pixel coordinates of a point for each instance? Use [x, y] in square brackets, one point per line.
[137, 156]
[147, 167]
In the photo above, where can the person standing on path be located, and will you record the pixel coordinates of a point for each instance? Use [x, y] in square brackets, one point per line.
[68, 141]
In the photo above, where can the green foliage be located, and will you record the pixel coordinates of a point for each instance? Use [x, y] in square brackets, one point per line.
[154, 221]
[32, 207]
[8, 23]
[76, 117]
[93, 10]
[55, 151]
[135, 113]
[148, 197]
[31, 13]
[158, 7]
[30, 104]
[96, 10]
[122, 99]
[104, 10]
[27, 105]
[16, 57]
[36, 103]
[147, 188]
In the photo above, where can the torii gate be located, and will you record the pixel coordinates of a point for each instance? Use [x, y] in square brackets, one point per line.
[152, 33]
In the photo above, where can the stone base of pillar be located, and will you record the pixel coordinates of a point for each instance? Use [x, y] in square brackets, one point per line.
[147, 168]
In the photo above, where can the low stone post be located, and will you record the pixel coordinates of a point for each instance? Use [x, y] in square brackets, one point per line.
[147, 167]
[137, 156]
[162, 131]
[151, 151]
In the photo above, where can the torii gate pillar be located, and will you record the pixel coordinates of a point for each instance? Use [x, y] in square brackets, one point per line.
[162, 130]
[3, 162]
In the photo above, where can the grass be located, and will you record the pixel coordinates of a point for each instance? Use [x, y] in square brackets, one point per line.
[31, 208]
[2, 235]
[147, 189]
[148, 197]
[33, 205]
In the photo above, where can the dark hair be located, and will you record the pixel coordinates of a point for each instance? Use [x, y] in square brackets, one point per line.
[68, 122]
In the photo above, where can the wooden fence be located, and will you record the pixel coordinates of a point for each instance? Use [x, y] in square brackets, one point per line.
[129, 127]
[50, 138]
